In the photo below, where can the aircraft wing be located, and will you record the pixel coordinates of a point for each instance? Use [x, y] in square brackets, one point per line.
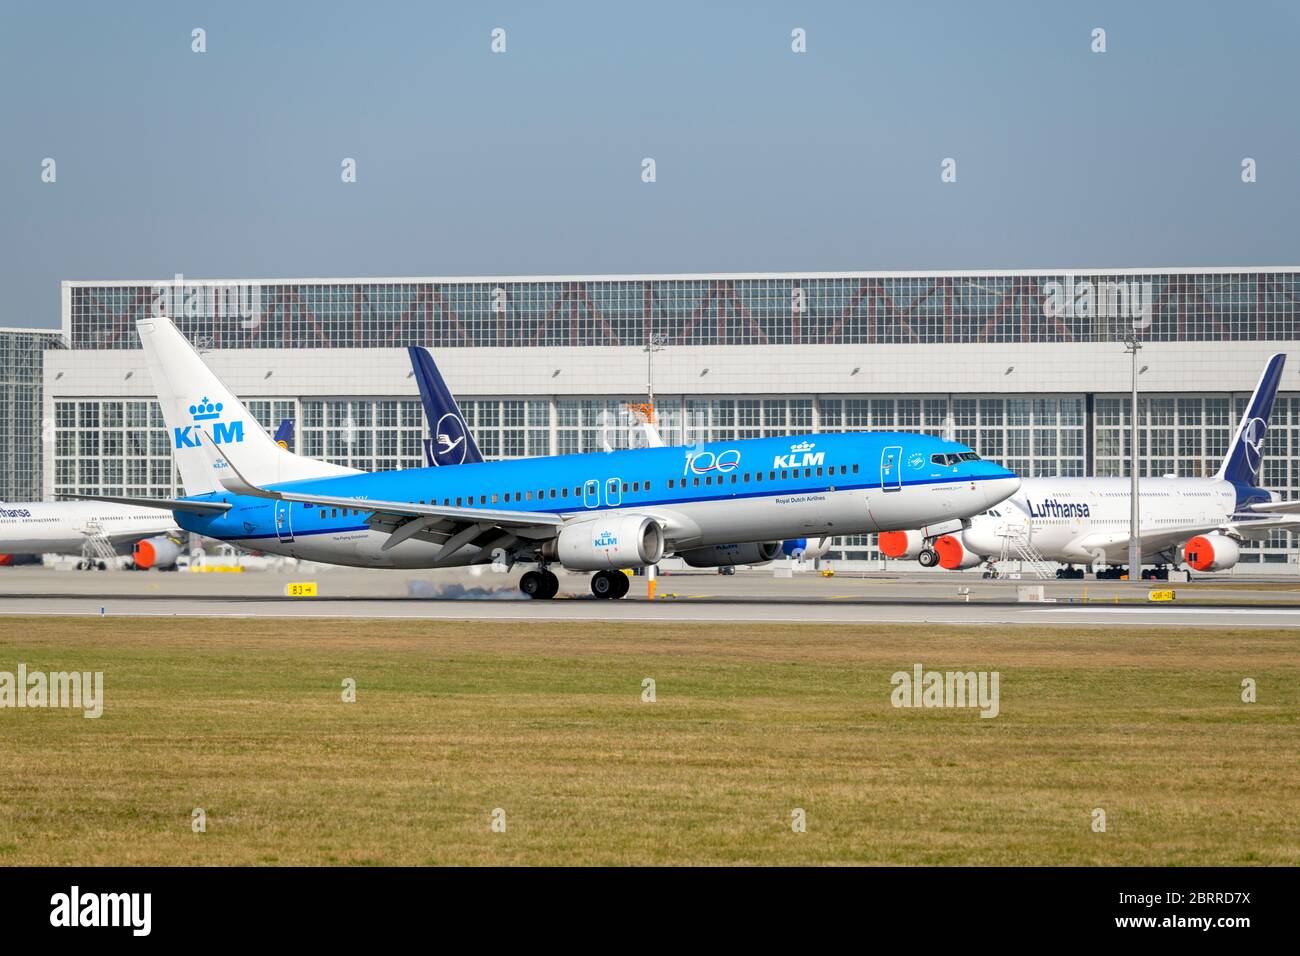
[1157, 539]
[1277, 507]
[453, 527]
[1264, 523]
[407, 509]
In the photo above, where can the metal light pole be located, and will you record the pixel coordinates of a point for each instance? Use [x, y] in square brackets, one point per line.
[655, 343]
[1132, 345]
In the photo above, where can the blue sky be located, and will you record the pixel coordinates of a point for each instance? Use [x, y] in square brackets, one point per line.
[227, 164]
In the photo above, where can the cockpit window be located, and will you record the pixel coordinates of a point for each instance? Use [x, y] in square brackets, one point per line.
[969, 456]
[944, 460]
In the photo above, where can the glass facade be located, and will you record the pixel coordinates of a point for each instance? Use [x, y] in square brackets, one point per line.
[22, 430]
[701, 310]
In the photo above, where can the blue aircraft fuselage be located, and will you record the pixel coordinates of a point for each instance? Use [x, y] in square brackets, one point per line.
[714, 493]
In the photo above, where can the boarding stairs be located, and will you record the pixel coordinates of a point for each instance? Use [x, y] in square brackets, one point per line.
[97, 546]
[1016, 545]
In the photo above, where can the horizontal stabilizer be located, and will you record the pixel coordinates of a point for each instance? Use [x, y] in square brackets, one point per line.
[165, 504]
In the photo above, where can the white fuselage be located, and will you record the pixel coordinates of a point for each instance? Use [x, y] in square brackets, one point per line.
[1085, 520]
[62, 527]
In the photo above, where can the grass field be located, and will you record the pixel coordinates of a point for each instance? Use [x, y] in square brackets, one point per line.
[545, 721]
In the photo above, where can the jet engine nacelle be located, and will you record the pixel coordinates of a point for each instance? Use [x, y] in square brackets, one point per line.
[621, 541]
[901, 544]
[729, 555]
[1211, 552]
[160, 552]
[954, 555]
[806, 549]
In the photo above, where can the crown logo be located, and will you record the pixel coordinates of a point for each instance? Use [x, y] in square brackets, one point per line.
[205, 410]
[803, 446]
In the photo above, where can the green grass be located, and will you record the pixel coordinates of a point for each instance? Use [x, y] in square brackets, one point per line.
[545, 721]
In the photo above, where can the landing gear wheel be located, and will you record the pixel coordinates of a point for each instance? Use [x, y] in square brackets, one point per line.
[552, 585]
[623, 582]
[604, 584]
[928, 558]
[533, 583]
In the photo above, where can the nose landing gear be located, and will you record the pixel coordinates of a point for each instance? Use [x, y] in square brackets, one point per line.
[540, 585]
[610, 585]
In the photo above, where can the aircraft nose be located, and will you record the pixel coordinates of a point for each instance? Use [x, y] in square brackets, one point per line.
[997, 490]
[981, 538]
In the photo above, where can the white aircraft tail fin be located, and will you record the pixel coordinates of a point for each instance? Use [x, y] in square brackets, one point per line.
[195, 401]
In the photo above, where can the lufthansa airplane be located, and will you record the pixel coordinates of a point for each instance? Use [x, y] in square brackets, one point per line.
[596, 512]
[453, 444]
[1201, 521]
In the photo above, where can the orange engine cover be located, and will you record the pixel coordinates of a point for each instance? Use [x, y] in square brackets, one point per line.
[899, 544]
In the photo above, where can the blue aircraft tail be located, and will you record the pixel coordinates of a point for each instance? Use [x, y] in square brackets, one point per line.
[284, 434]
[1242, 463]
[452, 442]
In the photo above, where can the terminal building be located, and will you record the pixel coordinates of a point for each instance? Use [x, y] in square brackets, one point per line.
[1027, 367]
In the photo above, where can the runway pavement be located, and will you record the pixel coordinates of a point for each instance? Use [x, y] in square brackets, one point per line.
[756, 596]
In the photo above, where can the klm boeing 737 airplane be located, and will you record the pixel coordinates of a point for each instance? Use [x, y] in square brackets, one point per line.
[597, 512]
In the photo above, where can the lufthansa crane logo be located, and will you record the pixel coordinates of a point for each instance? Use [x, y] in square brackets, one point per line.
[1252, 441]
[451, 432]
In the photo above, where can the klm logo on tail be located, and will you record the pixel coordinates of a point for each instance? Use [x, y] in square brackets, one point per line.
[223, 433]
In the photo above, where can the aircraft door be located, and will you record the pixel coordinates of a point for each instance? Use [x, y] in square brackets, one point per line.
[284, 521]
[613, 492]
[891, 468]
[591, 493]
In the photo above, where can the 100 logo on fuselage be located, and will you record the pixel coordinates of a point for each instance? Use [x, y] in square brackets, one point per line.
[705, 461]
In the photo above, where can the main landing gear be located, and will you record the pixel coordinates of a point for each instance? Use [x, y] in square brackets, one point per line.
[610, 584]
[540, 585]
[928, 557]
